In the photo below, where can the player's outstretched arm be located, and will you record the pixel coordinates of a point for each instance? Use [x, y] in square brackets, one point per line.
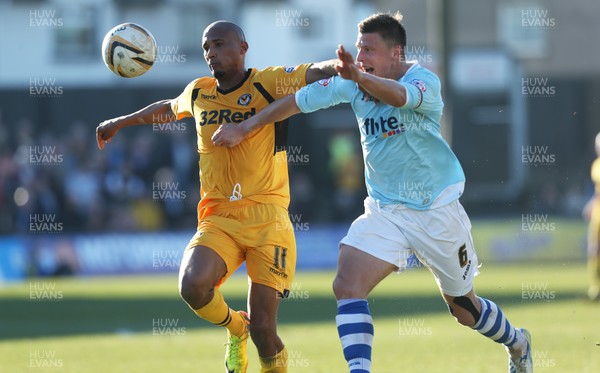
[321, 70]
[158, 112]
[387, 91]
[231, 134]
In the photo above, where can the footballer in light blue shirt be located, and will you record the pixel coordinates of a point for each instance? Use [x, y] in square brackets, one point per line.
[405, 157]
[414, 181]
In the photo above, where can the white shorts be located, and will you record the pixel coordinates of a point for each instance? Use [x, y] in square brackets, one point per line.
[440, 238]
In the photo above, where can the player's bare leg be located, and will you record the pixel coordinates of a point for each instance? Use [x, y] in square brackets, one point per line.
[357, 274]
[486, 318]
[263, 303]
[201, 271]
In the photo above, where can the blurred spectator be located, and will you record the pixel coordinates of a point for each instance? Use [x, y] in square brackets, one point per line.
[63, 175]
[346, 167]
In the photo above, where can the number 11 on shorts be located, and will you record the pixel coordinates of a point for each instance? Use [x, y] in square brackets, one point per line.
[279, 257]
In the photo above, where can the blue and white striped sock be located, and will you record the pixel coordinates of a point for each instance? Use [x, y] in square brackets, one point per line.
[493, 324]
[355, 328]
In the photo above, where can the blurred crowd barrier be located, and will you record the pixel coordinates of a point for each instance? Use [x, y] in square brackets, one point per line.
[133, 253]
[51, 255]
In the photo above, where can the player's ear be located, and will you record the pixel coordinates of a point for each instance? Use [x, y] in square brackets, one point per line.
[397, 51]
[244, 46]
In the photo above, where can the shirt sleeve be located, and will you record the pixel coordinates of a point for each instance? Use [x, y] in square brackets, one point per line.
[423, 94]
[281, 81]
[325, 93]
[182, 104]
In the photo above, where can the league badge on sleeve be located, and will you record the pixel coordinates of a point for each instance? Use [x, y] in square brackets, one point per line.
[324, 82]
[419, 84]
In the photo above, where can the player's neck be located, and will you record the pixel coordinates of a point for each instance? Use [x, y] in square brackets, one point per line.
[231, 80]
[400, 70]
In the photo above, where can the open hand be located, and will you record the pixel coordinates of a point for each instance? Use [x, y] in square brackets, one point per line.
[346, 67]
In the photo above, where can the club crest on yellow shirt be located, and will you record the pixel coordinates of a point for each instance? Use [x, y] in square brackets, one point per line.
[245, 99]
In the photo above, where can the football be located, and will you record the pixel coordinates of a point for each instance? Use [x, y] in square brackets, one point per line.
[129, 50]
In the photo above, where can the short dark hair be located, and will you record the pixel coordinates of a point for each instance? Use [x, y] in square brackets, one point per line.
[387, 25]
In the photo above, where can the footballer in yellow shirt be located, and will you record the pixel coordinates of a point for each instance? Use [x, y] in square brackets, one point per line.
[242, 214]
[250, 170]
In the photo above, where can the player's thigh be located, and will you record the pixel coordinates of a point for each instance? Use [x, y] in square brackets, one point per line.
[375, 233]
[211, 255]
[441, 239]
[358, 272]
[271, 248]
[201, 265]
[373, 248]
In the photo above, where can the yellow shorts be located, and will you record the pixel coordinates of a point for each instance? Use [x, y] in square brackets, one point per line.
[262, 235]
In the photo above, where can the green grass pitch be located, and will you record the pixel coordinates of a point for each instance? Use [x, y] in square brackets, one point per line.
[139, 324]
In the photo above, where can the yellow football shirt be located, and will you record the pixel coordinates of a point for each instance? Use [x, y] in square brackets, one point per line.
[256, 169]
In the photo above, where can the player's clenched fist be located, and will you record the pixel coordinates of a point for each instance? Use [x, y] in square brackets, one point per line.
[229, 134]
[105, 131]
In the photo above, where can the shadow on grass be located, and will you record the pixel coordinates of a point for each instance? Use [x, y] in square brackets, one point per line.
[22, 318]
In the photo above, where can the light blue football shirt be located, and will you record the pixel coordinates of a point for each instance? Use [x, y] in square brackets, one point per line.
[406, 159]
